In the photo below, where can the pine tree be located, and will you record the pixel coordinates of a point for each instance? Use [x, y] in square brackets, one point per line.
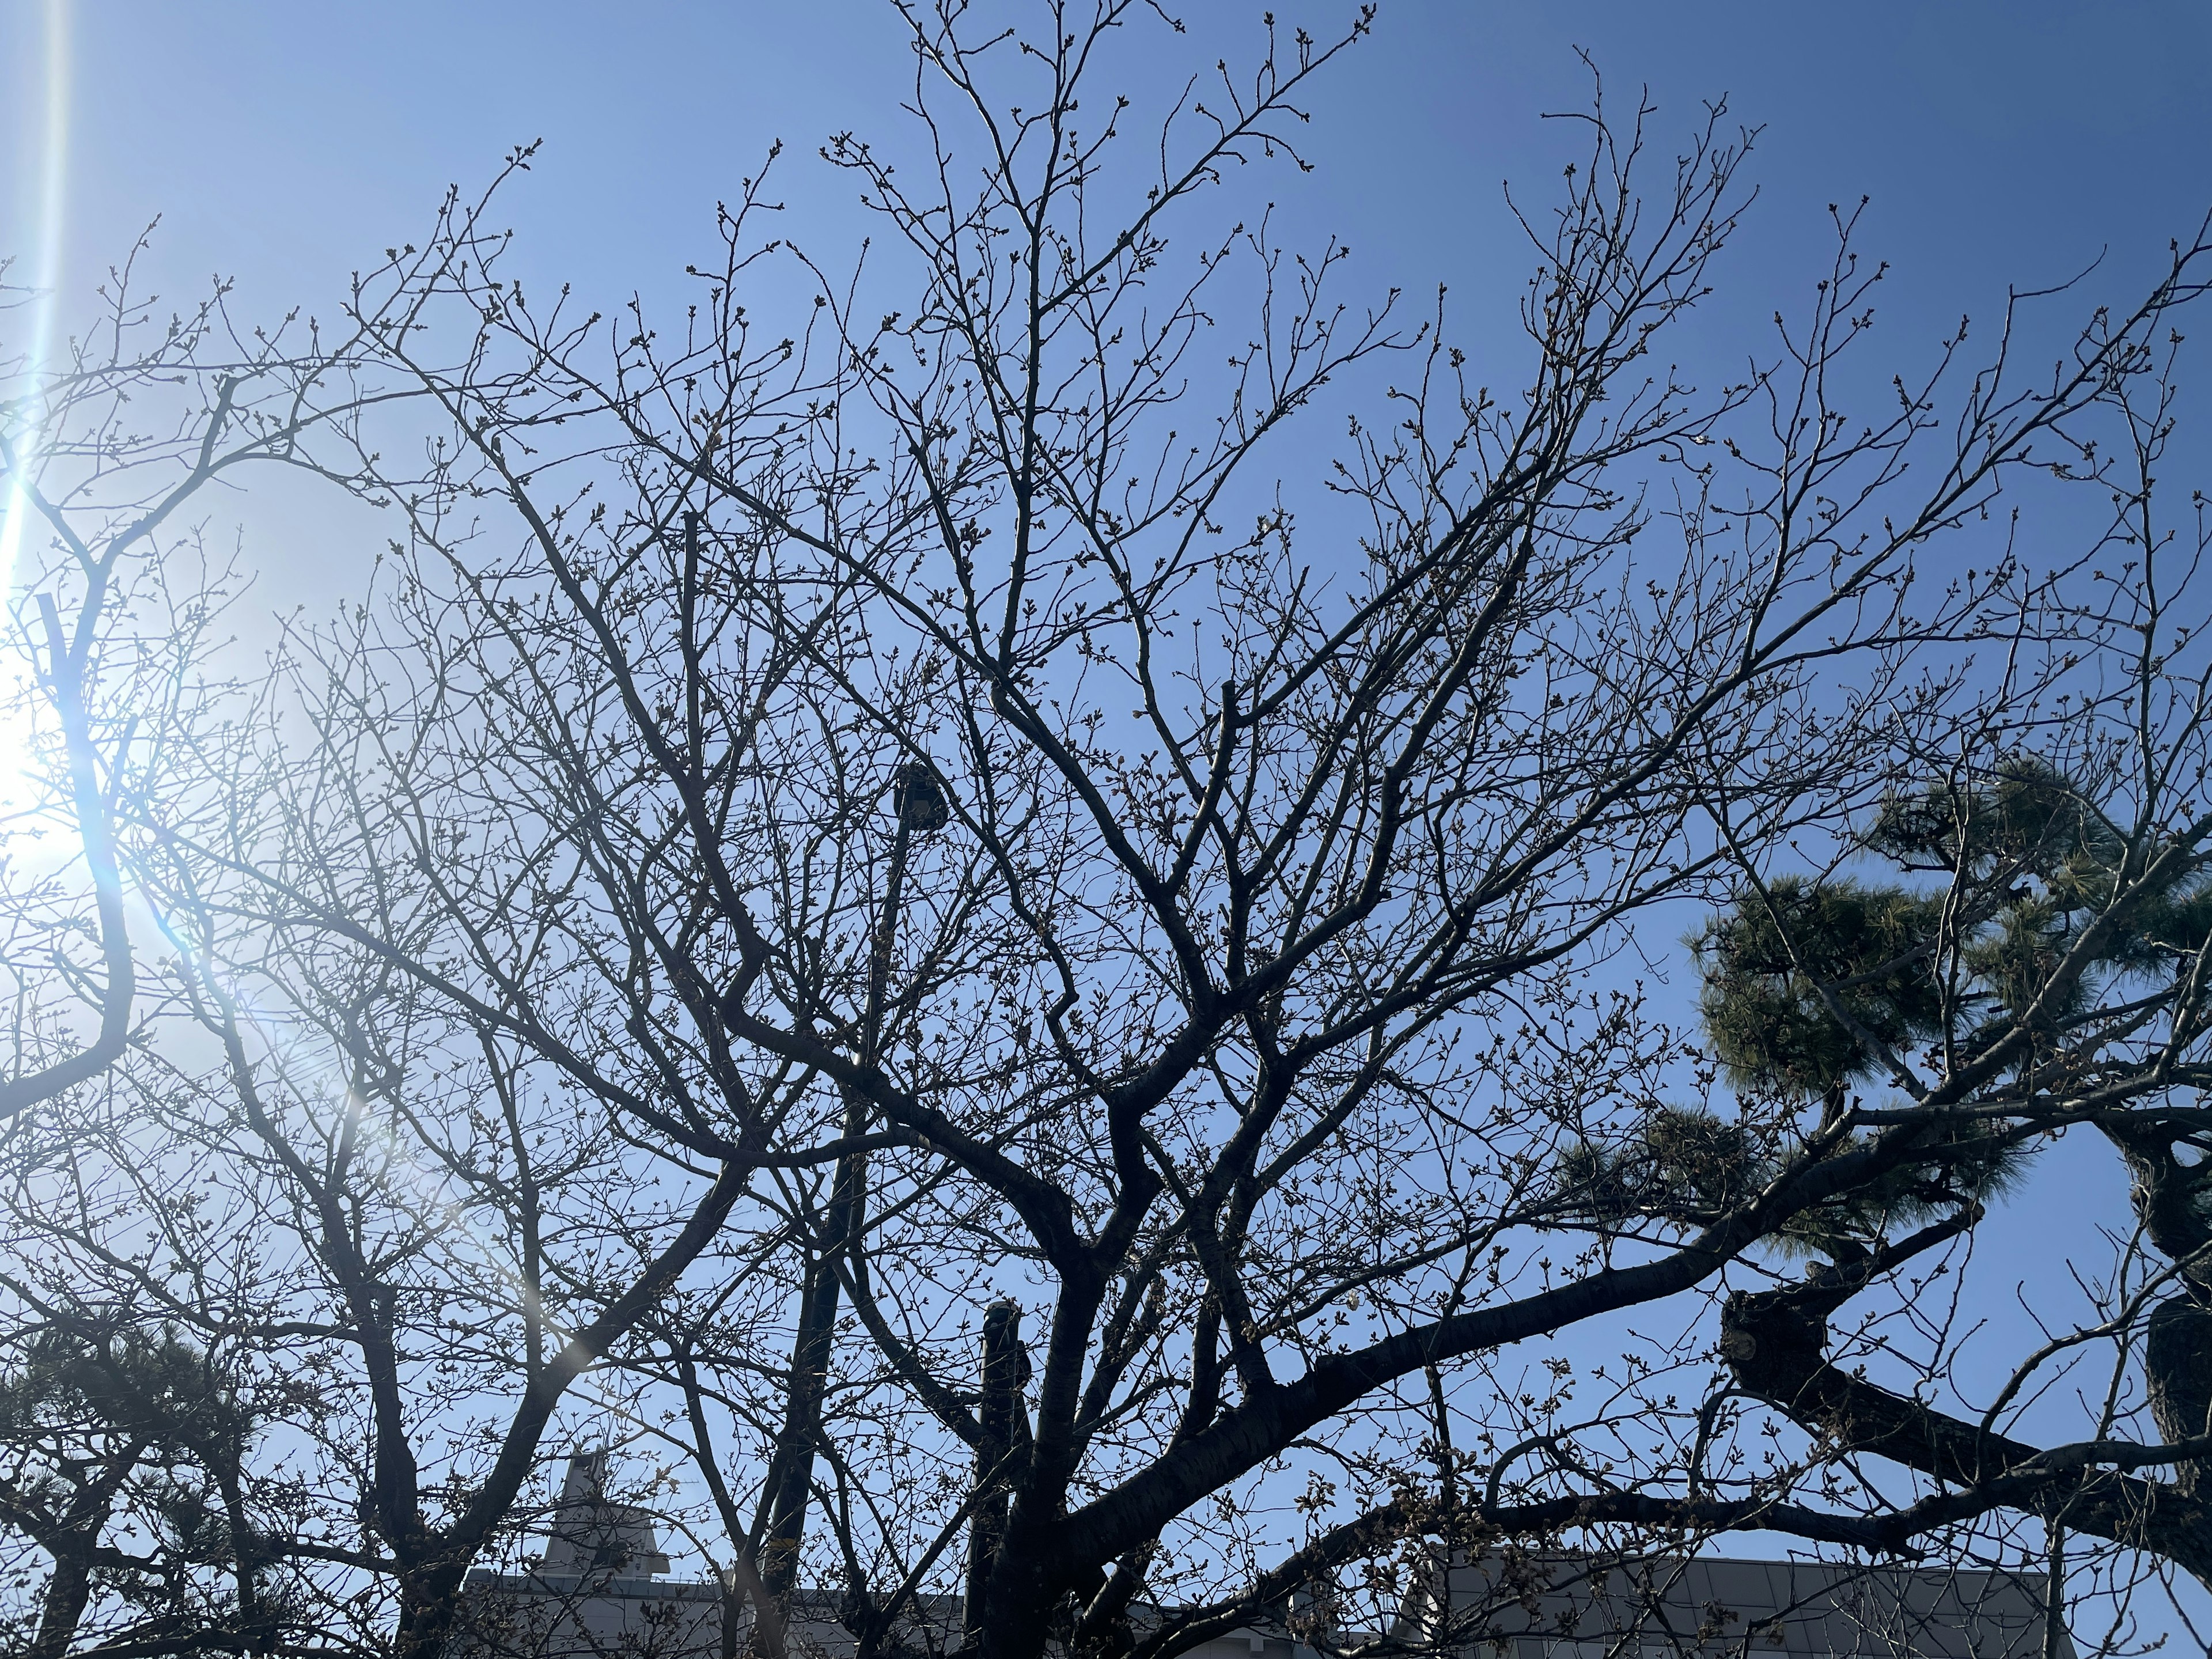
[1813, 987]
[91, 1421]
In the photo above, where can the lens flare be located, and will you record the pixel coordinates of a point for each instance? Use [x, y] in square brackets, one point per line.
[43, 158]
[48, 159]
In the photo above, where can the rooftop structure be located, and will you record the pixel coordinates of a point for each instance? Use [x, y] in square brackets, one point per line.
[598, 1591]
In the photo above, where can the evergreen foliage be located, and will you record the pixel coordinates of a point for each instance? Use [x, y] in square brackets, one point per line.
[1812, 987]
[97, 1426]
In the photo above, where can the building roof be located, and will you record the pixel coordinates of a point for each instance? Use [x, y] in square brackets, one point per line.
[600, 1594]
[593, 1533]
[1567, 1606]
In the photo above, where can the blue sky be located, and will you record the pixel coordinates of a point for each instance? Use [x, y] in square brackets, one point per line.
[285, 144]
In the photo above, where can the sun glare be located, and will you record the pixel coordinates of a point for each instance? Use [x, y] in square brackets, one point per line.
[43, 157]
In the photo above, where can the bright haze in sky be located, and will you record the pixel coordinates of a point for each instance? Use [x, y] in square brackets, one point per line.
[2019, 142]
[2003, 143]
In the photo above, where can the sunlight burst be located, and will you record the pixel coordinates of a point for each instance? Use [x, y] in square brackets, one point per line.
[44, 159]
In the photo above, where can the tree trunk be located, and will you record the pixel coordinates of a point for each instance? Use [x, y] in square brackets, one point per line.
[1775, 1342]
[2177, 1368]
[428, 1598]
[67, 1593]
[1006, 1371]
[782, 1524]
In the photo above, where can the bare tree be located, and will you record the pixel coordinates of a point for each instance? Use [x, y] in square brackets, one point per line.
[134, 1401]
[380, 1199]
[102, 456]
[916, 884]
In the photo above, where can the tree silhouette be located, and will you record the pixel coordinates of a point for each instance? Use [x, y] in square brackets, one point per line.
[93, 1423]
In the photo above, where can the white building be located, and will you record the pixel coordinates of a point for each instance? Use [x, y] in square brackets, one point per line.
[601, 1594]
[598, 1592]
[1563, 1605]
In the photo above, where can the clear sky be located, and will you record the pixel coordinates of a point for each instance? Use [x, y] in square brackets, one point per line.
[2002, 140]
[285, 143]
